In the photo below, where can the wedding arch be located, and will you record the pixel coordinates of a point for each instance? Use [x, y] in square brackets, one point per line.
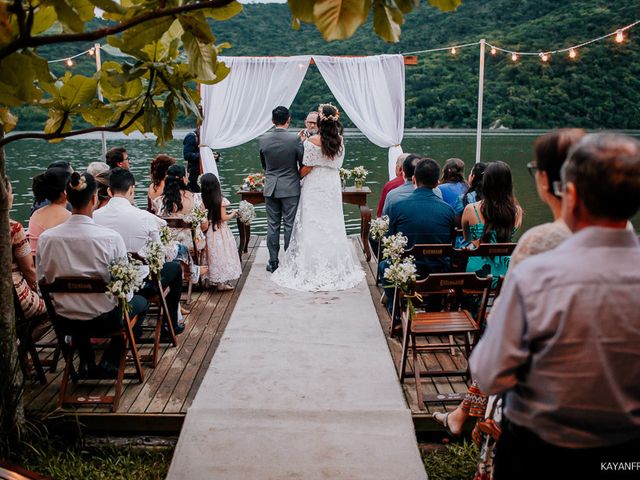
[370, 90]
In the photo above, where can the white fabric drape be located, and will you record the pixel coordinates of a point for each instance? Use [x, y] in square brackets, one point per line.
[238, 109]
[371, 92]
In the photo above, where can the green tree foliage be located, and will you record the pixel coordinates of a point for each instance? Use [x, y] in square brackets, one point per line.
[599, 89]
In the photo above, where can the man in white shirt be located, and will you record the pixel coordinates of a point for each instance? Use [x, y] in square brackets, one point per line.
[137, 226]
[80, 247]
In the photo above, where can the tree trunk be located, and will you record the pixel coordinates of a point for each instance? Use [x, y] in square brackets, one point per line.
[11, 383]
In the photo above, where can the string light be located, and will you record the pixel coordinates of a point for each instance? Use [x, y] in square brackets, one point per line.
[573, 53]
[69, 62]
[454, 50]
[493, 50]
[544, 57]
[92, 51]
[619, 36]
[514, 56]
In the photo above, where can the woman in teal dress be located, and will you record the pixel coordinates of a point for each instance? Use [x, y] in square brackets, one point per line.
[494, 219]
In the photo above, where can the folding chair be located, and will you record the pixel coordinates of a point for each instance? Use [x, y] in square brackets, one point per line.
[82, 286]
[484, 250]
[419, 252]
[158, 305]
[450, 319]
[29, 338]
[179, 223]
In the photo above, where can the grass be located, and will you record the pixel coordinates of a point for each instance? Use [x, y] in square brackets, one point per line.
[456, 461]
[64, 457]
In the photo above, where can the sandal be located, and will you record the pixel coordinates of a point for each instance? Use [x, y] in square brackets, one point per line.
[444, 421]
[224, 287]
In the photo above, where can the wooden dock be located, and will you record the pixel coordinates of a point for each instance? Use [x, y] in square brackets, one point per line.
[159, 404]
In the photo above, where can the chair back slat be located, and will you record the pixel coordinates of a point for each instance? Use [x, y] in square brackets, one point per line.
[491, 250]
[437, 282]
[430, 250]
[74, 285]
[177, 222]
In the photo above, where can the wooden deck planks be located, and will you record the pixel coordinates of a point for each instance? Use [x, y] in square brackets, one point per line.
[169, 389]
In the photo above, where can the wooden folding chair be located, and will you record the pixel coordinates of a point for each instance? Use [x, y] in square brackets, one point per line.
[180, 223]
[450, 292]
[484, 250]
[420, 251]
[157, 305]
[29, 342]
[81, 286]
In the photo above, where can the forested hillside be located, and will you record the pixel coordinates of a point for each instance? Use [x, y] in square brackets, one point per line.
[599, 89]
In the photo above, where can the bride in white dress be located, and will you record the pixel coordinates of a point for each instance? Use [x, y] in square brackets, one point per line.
[320, 257]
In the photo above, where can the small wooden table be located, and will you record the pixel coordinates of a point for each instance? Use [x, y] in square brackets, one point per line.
[349, 195]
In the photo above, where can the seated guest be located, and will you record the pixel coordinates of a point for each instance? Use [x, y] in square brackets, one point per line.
[562, 342]
[39, 199]
[80, 247]
[223, 253]
[452, 183]
[407, 188]
[100, 172]
[422, 217]
[117, 157]
[23, 272]
[177, 202]
[52, 186]
[159, 167]
[494, 219]
[472, 195]
[96, 168]
[474, 192]
[393, 183]
[136, 226]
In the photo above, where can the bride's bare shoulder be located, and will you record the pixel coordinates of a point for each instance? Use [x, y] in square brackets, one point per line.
[315, 139]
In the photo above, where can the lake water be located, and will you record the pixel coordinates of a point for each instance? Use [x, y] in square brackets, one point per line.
[29, 157]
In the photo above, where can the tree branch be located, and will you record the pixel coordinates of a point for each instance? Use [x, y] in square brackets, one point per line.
[56, 136]
[32, 42]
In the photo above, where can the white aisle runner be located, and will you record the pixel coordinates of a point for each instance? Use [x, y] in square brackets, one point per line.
[302, 386]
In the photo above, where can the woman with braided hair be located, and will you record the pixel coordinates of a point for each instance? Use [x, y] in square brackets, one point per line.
[320, 257]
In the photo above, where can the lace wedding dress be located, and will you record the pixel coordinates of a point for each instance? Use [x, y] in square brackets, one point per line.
[320, 257]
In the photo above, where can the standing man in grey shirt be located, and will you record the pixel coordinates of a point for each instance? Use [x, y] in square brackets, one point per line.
[563, 341]
[281, 157]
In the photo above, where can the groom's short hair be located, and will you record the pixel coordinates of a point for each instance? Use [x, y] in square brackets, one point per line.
[280, 115]
[427, 173]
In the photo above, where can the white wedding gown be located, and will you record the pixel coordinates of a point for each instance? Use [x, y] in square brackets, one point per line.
[320, 257]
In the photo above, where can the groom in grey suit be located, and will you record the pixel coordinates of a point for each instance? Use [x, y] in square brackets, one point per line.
[281, 156]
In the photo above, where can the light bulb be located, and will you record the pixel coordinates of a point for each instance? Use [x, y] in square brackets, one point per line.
[454, 50]
[572, 53]
[92, 51]
[69, 62]
[619, 36]
[493, 50]
[514, 56]
[544, 57]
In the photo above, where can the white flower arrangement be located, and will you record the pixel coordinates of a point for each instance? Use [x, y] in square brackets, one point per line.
[166, 235]
[246, 212]
[394, 246]
[196, 217]
[379, 226]
[127, 277]
[359, 173]
[154, 254]
[401, 273]
[345, 174]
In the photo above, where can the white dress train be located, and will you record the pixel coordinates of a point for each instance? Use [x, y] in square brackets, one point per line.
[320, 256]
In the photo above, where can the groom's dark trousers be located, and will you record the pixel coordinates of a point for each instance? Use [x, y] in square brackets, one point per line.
[281, 156]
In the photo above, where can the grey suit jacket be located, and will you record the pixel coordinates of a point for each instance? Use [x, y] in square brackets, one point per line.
[281, 156]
